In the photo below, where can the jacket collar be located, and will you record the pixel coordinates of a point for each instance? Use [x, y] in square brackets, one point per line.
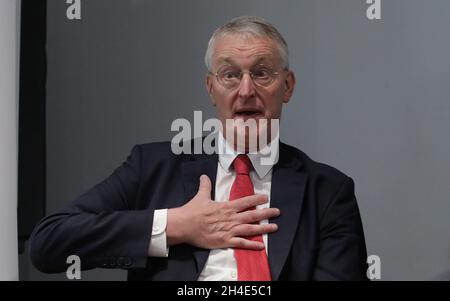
[262, 161]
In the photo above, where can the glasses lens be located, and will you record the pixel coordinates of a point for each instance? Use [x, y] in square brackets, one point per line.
[263, 75]
[230, 77]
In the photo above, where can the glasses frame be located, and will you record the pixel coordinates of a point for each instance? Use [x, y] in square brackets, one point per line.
[274, 77]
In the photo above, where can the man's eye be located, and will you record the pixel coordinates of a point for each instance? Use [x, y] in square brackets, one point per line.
[261, 73]
[230, 74]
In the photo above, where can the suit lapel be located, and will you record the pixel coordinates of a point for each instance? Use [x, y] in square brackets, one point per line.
[191, 172]
[288, 187]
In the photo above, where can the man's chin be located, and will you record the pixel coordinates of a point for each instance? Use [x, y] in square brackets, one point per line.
[249, 135]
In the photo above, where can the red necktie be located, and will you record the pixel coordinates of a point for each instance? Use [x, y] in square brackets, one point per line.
[252, 265]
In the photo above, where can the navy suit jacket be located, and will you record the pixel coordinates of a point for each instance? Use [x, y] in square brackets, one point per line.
[320, 234]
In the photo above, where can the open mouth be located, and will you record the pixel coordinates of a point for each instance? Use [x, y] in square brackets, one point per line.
[248, 114]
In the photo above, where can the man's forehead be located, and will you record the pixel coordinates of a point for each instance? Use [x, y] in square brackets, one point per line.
[231, 49]
[268, 58]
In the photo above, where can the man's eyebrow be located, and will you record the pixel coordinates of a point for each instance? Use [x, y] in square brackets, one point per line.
[225, 59]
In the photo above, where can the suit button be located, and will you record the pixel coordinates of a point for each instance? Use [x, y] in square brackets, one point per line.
[128, 261]
[105, 262]
[233, 274]
[112, 262]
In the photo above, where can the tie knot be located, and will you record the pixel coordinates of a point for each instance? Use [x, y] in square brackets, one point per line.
[242, 165]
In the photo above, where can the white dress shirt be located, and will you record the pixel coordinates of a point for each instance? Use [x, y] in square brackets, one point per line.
[221, 264]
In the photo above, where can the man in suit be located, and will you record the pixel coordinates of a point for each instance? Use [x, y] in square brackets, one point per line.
[164, 216]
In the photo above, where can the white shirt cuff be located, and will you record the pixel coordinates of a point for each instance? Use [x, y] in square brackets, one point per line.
[158, 241]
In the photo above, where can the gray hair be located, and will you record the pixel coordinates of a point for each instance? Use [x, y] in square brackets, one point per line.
[249, 26]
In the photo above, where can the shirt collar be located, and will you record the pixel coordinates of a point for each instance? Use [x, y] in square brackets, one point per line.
[262, 161]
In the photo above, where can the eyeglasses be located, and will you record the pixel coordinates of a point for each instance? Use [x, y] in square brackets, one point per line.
[230, 77]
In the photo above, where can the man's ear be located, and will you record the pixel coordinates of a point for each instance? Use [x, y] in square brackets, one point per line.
[209, 88]
[289, 86]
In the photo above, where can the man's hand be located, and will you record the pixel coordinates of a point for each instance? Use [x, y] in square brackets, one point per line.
[213, 225]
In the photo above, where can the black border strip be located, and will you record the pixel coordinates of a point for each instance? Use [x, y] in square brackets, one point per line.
[32, 107]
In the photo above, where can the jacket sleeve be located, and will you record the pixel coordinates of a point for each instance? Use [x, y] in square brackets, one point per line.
[342, 249]
[99, 226]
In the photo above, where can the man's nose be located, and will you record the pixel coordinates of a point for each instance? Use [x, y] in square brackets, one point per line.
[246, 86]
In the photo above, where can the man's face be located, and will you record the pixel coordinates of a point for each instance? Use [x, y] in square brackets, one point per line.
[248, 100]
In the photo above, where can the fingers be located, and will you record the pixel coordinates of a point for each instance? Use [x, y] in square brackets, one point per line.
[205, 186]
[254, 216]
[242, 243]
[254, 230]
[251, 230]
[247, 202]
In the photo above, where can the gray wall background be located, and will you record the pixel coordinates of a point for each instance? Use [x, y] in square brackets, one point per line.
[372, 99]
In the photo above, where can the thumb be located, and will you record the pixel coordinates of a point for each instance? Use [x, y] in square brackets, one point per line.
[205, 186]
